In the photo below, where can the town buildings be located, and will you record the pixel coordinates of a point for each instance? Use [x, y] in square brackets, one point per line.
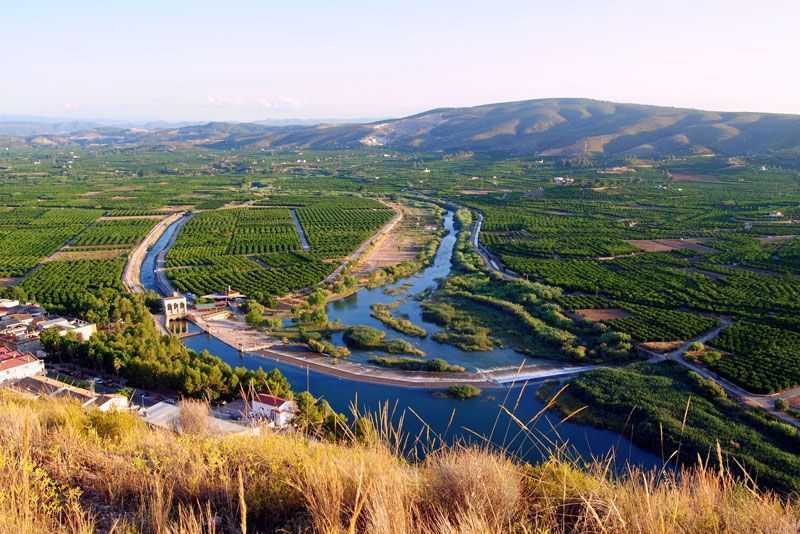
[22, 324]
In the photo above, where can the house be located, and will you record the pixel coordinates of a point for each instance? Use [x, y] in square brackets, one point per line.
[111, 403]
[15, 365]
[224, 297]
[22, 342]
[37, 386]
[776, 214]
[562, 180]
[84, 397]
[46, 387]
[167, 415]
[278, 410]
[82, 330]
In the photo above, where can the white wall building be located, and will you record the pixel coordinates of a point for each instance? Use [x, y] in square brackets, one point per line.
[15, 365]
[175, 307]
[278, 410]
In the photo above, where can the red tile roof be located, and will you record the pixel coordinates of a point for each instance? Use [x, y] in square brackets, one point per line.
[10, 363]
[14, 358]
[271, 400]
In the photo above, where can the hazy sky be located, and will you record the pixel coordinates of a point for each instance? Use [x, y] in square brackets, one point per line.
[248, 60]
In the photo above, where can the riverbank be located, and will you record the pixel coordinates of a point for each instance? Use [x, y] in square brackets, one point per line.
[160, 278]
[131, 275]
[240, 336]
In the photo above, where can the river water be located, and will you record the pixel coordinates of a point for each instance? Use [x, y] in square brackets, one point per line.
[481, 420]
[355, 310]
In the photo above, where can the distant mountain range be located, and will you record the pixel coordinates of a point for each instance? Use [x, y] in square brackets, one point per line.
[562, 127]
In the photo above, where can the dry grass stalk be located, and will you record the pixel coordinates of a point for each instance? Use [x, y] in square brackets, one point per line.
[64, 470]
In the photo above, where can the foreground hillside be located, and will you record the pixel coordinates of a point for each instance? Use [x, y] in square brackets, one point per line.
[547, 127]
[65, 470]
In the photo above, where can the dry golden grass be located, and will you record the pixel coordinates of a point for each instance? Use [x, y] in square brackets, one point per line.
[66, 470]
[194, 418]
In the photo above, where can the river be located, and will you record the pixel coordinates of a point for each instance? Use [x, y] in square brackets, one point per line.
[477, 420]
[356, 309]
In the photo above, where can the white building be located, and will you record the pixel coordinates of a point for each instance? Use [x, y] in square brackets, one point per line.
[278, 410]
[82, 330]
[15, 365]
[111, 403]
[175, 307]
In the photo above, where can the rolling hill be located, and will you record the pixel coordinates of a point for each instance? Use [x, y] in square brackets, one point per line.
[556, 127]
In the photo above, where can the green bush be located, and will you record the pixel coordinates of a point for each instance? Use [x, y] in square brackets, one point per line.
[465, 391]
[364, 337]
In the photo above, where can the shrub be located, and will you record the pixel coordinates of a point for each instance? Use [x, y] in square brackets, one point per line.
[465, 391]
[364, 337]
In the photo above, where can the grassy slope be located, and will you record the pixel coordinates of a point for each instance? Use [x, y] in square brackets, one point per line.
[63, 469]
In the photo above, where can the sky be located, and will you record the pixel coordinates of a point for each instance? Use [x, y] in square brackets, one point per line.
[242, 60]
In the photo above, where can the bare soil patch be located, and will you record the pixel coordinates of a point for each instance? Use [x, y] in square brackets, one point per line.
[128, 217]
[125, 188]
[794, 402]
[404, 242]
[122, 198]
[561, 213]
[92, 193]
[665, 245]
[71, 254]
[688, 177]
[7, 282]
[661, 347]
[708, 274]
[603, 314]
[776, 238]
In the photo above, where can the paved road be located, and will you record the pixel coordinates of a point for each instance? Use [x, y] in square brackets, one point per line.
[489, 260]
[764, 402]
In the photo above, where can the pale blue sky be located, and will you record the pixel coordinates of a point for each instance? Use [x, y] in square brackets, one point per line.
[249, 60]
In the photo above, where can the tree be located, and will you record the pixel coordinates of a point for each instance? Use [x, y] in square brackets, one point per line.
[273, 322]
[317, 298]
[255, 313]
[437, 365]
